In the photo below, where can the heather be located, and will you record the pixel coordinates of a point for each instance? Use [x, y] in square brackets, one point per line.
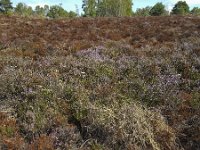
[104, 83]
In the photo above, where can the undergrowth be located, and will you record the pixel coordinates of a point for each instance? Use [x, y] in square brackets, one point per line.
[119, 95]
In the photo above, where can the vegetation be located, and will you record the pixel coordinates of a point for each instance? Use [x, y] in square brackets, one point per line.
[23, 10]
[158, 10]
[56, 11]
[89, 7]
[181, 8]
[95, 8]
[143, 11]
[114, 8]
[110, 82]
[66, 86]
[107, 8]
[41, 11]
[195, 11]
[5, 6]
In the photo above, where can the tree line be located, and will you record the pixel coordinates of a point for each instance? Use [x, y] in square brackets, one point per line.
[97, 8]
[159, 9]
[108, 8]
[103, 8]
[55, 11]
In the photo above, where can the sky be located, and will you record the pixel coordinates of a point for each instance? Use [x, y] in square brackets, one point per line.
[70, 4]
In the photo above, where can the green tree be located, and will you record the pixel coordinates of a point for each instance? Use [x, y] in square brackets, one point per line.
[41, 11]
[107, 8]
[114, 8]
[23, 9]
[5, 6]
[195, 11]
[143, 11]
[126, 7]
[89, 7]
[72, 14]
[158, 10]
[181, 8]
[56, 11]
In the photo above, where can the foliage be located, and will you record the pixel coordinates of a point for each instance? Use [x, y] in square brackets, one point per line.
[23, 9]
[195, 11]
[115, 8]
[72, 14]
[143, 11]
[5, 6]
[89, 7]
[158, 10]
[126, 8]
[107, 8]
[41, 11]
[100, 87]
[181, 8]
[57, 11]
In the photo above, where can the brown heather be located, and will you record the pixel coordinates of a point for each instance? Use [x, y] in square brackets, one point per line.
[103, 83]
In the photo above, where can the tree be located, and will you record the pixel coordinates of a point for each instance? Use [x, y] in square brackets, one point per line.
[77, 10]
[195, 11]
[23, 9]
[41, 11]
[158, 10]
[46, 9]
[19, 9]
[72, 14]
[143, 11]
[114, 8]
[181, 8]
[126, 7]
[89, 7]
[56, 11]
[5, 6]
[108, 8]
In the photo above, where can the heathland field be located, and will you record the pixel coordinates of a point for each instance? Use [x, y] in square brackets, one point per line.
[100, 83]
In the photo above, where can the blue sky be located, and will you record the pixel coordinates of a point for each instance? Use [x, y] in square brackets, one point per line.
[70, 4]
